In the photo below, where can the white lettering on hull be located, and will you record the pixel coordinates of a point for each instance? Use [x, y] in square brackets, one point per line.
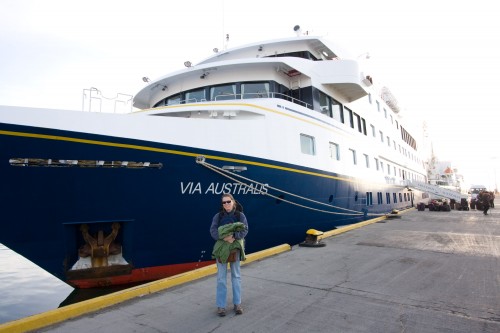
[220, 188]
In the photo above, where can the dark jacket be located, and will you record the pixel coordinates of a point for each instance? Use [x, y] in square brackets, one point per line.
[226, 218]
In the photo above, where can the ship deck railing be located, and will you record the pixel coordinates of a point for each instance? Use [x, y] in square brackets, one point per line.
[226, 97]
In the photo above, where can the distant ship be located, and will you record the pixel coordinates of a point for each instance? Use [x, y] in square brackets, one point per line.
[445, 182]
[291, 127]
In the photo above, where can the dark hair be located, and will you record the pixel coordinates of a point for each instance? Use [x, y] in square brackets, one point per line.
[228, 195]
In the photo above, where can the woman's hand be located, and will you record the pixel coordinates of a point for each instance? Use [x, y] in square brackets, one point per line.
[229, 239]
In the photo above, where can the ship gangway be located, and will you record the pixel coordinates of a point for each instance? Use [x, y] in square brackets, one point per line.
[437, 190]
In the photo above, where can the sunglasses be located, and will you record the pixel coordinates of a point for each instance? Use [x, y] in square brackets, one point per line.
[226, 202]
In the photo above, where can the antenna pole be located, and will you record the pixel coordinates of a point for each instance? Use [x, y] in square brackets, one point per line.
[223, 25]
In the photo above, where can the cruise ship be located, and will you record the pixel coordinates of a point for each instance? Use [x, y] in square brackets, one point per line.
[292, 127]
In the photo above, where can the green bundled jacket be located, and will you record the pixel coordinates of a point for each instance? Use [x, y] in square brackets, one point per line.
[222, 248]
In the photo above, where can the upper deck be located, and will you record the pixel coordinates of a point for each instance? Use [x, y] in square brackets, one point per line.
[313, 48]
[292, 62]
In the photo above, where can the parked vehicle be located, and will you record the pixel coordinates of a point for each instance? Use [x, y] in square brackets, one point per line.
[474, 191]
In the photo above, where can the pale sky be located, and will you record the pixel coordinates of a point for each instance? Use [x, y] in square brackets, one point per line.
[441, 59]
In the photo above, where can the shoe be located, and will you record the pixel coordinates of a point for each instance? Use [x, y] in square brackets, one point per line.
[221, 312]
[238, 309]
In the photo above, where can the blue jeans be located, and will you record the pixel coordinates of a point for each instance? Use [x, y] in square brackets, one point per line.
[222, 283]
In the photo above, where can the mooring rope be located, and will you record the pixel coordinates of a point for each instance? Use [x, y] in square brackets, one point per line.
[201, 160]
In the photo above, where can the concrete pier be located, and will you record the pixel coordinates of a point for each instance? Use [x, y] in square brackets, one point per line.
[422, 272]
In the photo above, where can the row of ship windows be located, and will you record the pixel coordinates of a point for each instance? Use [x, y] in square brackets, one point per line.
[403, 197]
[402, 150]
[334, 109]
[308, 146]
[359, 123]
[404, 134]
[224, 92]
[386, 114]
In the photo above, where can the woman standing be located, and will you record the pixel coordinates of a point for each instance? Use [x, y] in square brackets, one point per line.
[229, 228]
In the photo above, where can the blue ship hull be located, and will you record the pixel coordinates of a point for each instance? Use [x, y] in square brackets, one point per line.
[164, 210]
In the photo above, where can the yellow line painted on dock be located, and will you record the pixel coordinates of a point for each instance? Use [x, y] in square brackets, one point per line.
[357, 225]
[74, 310]
[350, 227]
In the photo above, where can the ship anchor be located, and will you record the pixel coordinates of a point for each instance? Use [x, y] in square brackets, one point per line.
[101, 247]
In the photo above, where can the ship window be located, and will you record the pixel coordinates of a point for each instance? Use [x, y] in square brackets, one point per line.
[194, 96]
[223, 92]
[160, 103]
[324, 104]
[376, 164]
[173, 100]
[337, 111]
[357, 122]
[379, 198]
[351, 119]
[400, 197]
[388, 198]
[299, 54]
[307, 145]
[255, 90]
[354, 158]
[334, 151]
[373, 130]
[394, 198]
[367, 160]
[369, 198]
